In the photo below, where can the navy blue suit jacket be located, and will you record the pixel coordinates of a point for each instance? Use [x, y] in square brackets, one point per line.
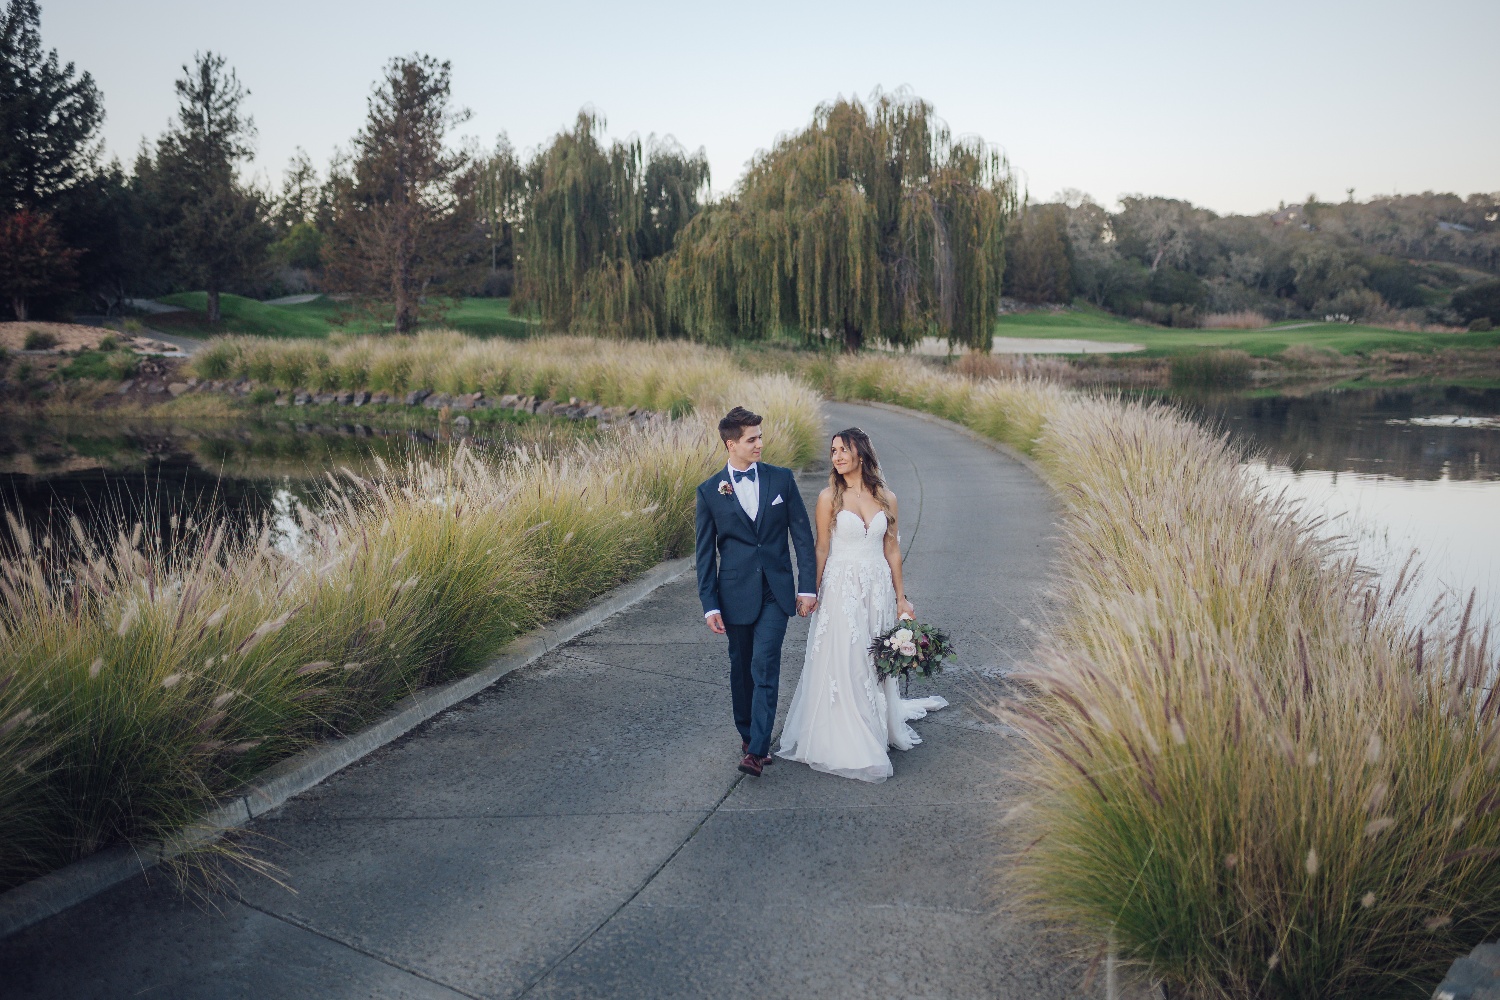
[738, 556]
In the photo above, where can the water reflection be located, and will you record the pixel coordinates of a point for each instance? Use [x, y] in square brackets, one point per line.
[163, 473]
[1429, 432]
[1392, 469]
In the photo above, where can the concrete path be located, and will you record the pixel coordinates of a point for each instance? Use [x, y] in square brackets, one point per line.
[579, 830]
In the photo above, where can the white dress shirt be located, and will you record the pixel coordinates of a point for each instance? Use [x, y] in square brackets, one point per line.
[747, 492]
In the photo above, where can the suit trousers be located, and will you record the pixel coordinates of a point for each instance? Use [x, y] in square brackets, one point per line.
[755, 673]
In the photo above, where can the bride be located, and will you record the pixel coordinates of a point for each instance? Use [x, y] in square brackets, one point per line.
[842, 718]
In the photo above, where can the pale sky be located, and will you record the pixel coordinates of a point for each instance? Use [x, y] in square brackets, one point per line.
[1232, 105]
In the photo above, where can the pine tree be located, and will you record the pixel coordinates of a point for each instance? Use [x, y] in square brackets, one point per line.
[49, 117]
[403, 228]
[871, 223]
[211, 227]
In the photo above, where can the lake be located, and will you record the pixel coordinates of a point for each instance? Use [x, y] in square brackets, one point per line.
[113, 472]
[1394, 469]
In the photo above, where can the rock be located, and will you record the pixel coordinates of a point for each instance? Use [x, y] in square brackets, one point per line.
[156, 387]
[126, 386]
[462, 402]
[193, 382]
[302, 398]
[324, 398]
[359, 398]
[380, 399]
[415, 397]
[483, 404]
[345, 398]
[509, 401]
[544, 407]
[282, 401]
[595, 412]
[177, 388]
[1476, 977]
[437, 401]
[461, 422]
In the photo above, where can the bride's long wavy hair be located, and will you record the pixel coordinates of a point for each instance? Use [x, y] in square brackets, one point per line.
[858, 442]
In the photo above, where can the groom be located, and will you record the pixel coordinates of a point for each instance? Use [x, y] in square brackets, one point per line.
[745, 514]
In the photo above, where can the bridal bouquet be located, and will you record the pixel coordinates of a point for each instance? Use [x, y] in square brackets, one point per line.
[911, 647]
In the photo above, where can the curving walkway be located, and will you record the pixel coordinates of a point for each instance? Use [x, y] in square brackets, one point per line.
[579, 829]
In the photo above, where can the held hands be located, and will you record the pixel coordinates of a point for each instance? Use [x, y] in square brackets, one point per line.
[715, 623]
[905, 610]
[806, 606]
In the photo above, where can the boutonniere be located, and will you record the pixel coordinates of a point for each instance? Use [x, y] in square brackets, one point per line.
[726, 489]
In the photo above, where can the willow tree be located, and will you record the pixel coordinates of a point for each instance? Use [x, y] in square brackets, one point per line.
[597, 223]
[871, 223]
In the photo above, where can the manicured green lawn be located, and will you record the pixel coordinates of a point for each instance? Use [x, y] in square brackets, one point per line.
[1090, 324]
[240, 315]
[321, 316]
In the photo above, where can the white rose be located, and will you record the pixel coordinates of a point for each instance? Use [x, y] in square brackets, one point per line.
[908, 649]
[902, 636]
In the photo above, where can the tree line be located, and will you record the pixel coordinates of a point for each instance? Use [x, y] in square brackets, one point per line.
[871, 223]
[1420, 258]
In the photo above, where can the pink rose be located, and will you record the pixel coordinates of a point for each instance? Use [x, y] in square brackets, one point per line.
[908, 649]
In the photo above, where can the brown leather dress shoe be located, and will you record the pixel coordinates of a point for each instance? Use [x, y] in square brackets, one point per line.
[767, 759]
[751, 765]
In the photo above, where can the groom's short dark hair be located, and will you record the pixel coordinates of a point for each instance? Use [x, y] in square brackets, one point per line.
[732, 427]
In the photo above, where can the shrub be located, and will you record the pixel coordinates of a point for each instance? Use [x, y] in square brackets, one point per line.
[1244, 319]
[1479, 301]
[263, 395]
[109, 342]
[39, 340]
[1210, 369]
[1481, 325]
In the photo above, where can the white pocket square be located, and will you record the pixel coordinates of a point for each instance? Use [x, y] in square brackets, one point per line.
[777, 500]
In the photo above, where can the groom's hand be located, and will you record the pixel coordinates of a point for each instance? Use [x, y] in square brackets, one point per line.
[806, 605]
[715, 623]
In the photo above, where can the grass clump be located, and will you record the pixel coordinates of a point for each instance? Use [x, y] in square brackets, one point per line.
[102, 365]
[38, 340]
[1248, 770]
[138, 681]
[1210, 370]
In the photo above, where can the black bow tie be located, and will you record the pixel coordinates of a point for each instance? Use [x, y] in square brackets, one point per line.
[747, 474]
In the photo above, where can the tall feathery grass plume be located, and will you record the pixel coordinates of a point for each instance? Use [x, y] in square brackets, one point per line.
[141, 681]
[1246, 765]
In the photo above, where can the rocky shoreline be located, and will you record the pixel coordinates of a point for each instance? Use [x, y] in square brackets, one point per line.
[448, 405]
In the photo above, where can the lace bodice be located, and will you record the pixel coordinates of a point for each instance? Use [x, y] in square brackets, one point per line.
[852, 539]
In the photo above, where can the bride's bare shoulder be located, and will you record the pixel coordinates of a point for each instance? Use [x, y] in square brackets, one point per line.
[825, 498]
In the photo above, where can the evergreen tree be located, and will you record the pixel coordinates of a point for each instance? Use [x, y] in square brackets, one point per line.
[403, 229]
[870, 223]
[49, 116]
[212, 228]
[598, 223]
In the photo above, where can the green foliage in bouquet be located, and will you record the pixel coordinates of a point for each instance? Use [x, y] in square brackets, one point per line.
[911, 646]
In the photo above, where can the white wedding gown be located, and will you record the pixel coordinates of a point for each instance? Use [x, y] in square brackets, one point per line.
[842, 718]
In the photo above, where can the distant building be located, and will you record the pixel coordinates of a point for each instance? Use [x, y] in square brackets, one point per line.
[1292, 213]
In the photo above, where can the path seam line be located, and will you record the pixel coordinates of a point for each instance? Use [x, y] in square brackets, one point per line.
[292, 922]
[642, 888]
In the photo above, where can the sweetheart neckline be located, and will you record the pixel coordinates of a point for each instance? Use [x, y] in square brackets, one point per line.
[862, 521]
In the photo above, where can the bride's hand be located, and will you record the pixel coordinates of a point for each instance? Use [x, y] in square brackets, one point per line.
[905, 610]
